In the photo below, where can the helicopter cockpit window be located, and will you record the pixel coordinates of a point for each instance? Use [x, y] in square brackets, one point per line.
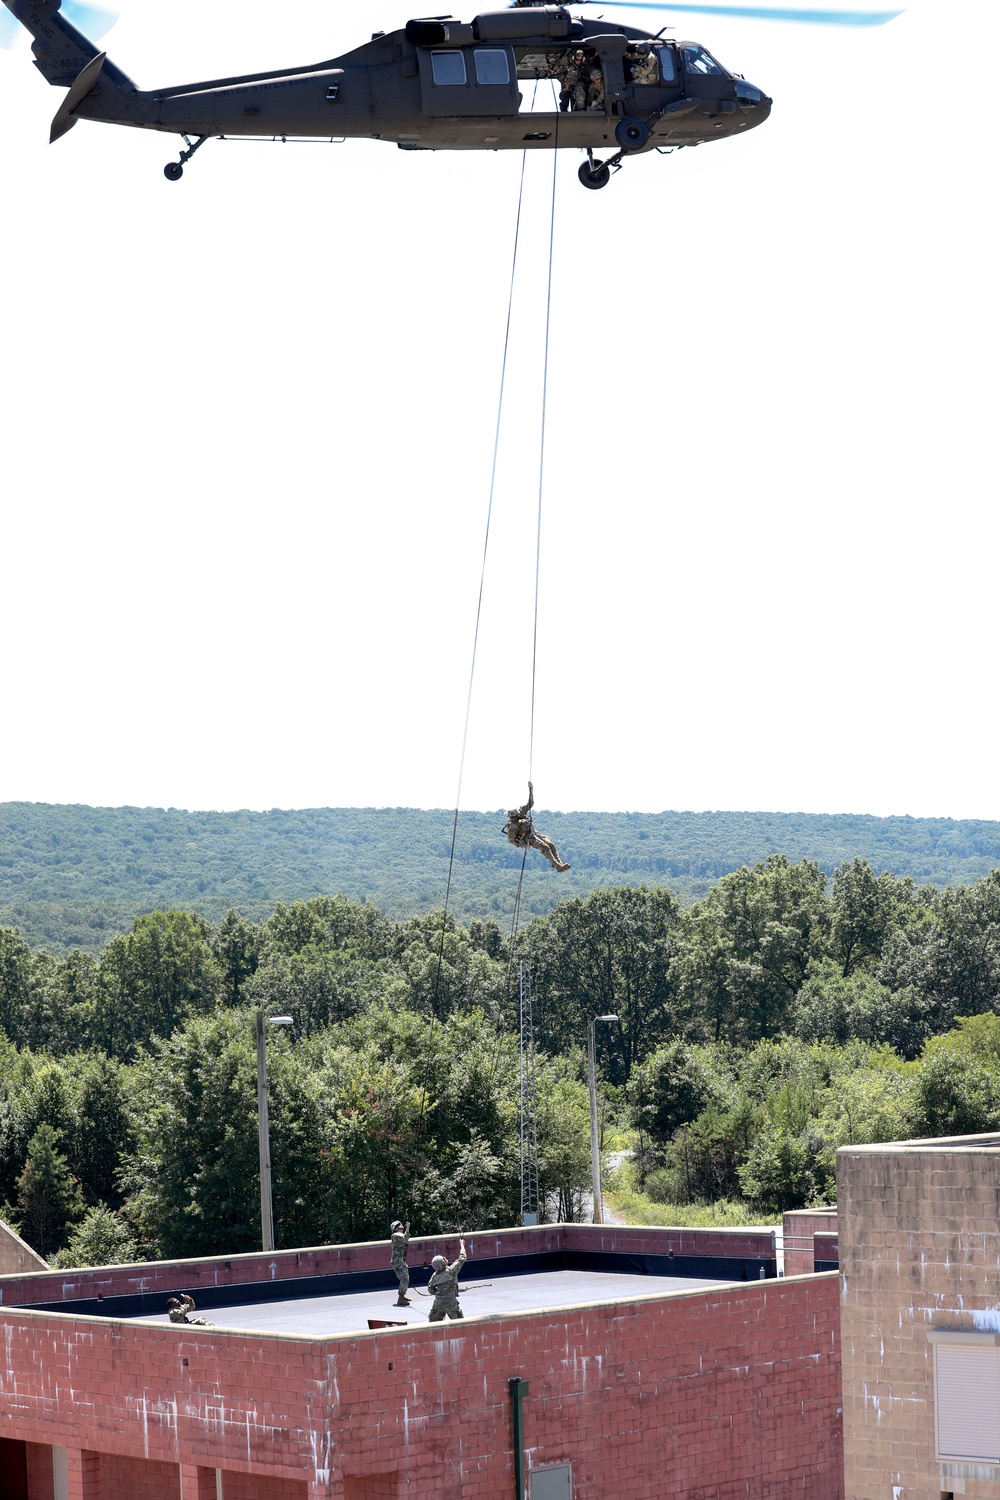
[492, 65]
[448, 67]
[668, 67]
[697, 60]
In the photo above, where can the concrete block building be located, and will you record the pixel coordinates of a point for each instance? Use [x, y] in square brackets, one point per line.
[919, 1230]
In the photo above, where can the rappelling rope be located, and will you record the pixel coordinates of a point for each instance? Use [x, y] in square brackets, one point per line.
[541, 449]
[482, 580]
[516, 917]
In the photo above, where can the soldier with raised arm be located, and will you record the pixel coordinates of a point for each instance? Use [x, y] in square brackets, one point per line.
[444, 1285]
[400, 1241]
[520, 830]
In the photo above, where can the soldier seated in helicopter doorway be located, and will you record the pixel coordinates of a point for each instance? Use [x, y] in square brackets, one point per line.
[640, 64]
[520, 830]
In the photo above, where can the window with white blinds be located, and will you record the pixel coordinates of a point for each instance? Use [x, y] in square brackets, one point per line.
[967, 1398]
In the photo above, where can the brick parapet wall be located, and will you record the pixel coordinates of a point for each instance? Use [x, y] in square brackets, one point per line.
[156, 1277]
[802, 1229]
[730, 1390]
[749, 1244]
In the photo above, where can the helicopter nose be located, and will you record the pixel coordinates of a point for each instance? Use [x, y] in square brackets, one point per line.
[751, 98]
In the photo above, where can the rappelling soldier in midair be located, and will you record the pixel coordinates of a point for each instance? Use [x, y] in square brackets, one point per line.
[400, 1241]
[521, 832]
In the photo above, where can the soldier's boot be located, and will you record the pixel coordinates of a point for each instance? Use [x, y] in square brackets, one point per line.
[561, 867]
[401, 1302]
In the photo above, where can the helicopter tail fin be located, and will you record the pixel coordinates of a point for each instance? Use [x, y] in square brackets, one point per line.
[68, 59]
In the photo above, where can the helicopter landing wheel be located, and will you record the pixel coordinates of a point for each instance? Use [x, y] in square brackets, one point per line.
[632, 134]
[173, 171]
[597, 177]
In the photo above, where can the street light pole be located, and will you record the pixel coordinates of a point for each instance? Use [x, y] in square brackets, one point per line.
[595, 1145]
[263, 1133]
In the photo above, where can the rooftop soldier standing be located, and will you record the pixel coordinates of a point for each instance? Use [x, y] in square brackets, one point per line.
[400, 1242]
[444, 1285]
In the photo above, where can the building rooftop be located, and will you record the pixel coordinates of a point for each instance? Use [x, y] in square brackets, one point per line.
[988, 1142]
[356, 1311]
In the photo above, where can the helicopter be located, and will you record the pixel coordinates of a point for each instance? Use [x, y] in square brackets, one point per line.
[440, 84]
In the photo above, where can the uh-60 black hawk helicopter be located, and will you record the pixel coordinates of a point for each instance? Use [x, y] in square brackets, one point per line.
[443, 85]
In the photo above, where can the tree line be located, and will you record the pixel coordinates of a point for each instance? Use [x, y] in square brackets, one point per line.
[73, 877]
[759, 1028]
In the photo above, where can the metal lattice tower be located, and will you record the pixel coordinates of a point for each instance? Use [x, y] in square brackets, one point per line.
[529, 1104]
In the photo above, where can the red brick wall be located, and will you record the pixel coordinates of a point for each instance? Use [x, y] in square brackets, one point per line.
[728, 1391]
[167, 1276]
[260, 1487]
[801, 1228]
[40, 1484]
[122, 1478]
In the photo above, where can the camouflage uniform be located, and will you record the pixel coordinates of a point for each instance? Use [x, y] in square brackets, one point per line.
[180, 1312]
[566, 72]
[400, 1242]
[645, 70]
[590, 80]
[521, 831]
[444, 1285]
[596, 96]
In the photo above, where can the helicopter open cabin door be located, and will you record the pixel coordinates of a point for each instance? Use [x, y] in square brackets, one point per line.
[456, 81]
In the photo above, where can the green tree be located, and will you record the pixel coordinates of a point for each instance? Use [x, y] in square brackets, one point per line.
[238, 952]
[746, 948]
[864, 908]
[564, 1166]
[152, 980]
[15, 982]
[609, 953]
[48, 1198]
[192, 1179]
[957, 1090]
[670, 1089]
[100, 1239]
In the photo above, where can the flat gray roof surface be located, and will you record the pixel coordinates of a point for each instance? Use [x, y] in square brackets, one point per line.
[350, 1312]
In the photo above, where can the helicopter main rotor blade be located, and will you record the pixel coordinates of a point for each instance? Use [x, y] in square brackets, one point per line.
[768, 13]
[93, 20]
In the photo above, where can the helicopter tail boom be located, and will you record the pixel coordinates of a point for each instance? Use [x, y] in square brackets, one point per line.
[67, 59]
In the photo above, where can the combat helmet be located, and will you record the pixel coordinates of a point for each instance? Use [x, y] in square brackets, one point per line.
[439, 1263]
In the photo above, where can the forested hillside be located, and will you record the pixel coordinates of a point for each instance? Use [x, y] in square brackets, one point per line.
[759, 1028]
[74, 876]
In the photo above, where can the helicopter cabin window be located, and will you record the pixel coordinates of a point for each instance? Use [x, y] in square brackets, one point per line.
[697, 60]
[668, 67]
[492, 65]
[448, 68]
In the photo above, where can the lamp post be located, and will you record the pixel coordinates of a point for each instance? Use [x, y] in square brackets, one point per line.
[263, 1134]
[595, 1149]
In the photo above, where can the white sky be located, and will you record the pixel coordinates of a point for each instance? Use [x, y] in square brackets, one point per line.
[247, 425]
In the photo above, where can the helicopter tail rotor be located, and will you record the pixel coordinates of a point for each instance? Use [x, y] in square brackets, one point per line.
[92, 20]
